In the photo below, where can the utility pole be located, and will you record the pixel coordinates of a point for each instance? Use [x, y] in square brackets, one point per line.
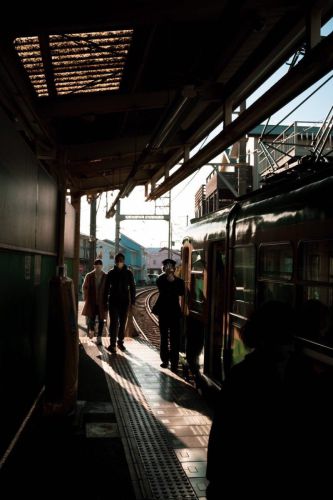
[117, 237]
[92, 238]
[165, 206]
[170, 230]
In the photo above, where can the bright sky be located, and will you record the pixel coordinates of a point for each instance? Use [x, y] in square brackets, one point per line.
[155, 233]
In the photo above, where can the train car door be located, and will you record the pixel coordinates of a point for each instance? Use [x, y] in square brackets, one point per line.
[214, 339]
[186, 275]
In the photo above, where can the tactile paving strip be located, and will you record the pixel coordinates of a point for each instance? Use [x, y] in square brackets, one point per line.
[165, 474]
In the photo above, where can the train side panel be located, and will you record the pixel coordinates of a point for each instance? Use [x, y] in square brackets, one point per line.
[274, 244]
[282, 248]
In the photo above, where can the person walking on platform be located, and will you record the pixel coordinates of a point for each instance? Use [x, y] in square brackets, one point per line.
[93, 290]
[168, 310]
[120, 287]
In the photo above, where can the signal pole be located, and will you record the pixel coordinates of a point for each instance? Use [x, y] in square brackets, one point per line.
[117, 236]
[92, 238]
[170, 230]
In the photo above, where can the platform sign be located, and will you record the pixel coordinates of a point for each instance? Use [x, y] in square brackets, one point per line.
[143, 217]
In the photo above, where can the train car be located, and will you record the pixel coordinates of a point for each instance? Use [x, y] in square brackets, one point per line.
[276, 243]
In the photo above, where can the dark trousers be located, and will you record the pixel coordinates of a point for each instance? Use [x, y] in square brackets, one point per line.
[170, 332]
[91, 321]
[118, 316]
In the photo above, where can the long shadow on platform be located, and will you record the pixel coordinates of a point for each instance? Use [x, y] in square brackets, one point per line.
[54, 451]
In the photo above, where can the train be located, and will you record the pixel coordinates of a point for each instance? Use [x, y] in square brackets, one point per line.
[274, 243]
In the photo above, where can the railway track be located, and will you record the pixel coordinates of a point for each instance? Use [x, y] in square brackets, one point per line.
[146, 323]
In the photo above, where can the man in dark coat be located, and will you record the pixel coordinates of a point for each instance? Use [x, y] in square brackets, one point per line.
[169, 312]
[120, 287]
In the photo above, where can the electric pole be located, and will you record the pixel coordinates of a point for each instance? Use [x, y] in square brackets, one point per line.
[170, 230]
[92, 238]
[117, 237]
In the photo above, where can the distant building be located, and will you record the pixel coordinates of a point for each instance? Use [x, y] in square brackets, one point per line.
[231, 179]
[154, 258]
[264, 151]
[200, 201]
[134, 258]
[105, 251]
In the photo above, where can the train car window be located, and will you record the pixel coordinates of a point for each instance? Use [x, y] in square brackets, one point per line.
[316, 315]
[276, 261]
[322, 293]
[243, 280]
[317, 261]
[238, 348]
[196, 292]
[285, 292]
[197, 260]
[275, 273]
[316, 272]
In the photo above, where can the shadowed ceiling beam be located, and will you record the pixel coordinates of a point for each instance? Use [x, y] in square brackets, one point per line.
[103, 104]
[47, 64]
[120, 16]
[102, 150]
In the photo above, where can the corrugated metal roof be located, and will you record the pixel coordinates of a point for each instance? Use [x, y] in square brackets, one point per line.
[75, 63]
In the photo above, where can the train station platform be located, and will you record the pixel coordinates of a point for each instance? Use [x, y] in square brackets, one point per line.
[139, 432]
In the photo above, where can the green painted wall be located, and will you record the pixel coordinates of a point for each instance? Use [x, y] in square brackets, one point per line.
[28, 248]
[24, 304]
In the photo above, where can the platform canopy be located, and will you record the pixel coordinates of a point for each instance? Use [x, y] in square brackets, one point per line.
[118, 94]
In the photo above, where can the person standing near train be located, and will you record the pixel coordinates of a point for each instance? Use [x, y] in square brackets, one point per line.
[168, 310]
[120, 287]
[93, 290]
[253, 445]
